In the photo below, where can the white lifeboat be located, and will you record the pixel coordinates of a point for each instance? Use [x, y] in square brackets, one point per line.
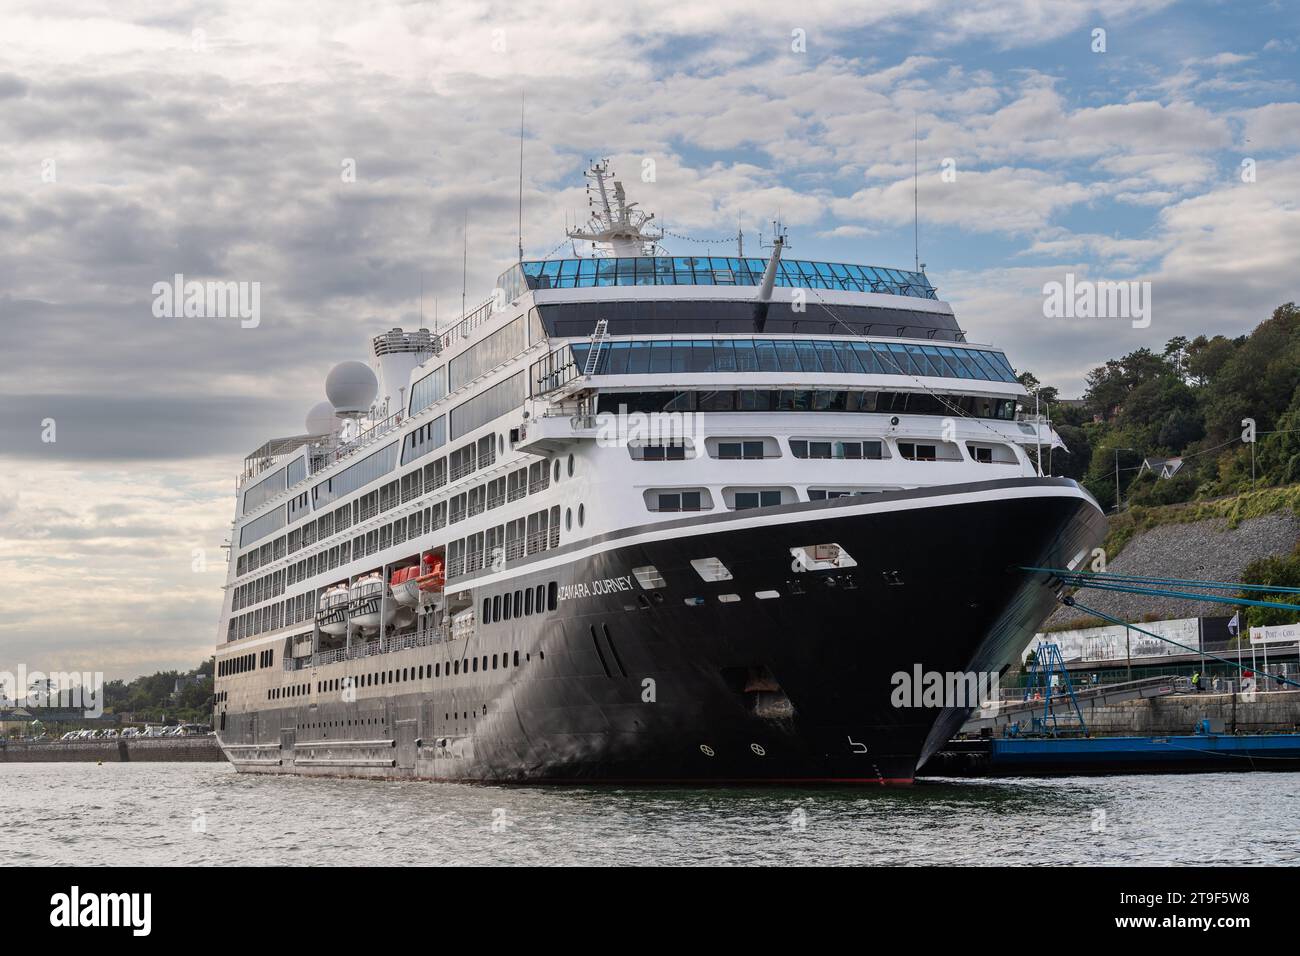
[332, 615]
[364, 601]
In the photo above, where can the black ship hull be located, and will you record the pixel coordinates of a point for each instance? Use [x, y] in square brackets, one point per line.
[702, 681]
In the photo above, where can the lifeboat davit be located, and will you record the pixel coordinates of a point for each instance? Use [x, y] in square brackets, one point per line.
[431, 582]
[332, 615]
[433, 578]
[365, 598]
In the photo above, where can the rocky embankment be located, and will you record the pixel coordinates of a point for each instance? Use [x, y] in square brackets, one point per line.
[1211, 549]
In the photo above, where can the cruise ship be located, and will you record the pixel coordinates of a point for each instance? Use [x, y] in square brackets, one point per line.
[643, 518]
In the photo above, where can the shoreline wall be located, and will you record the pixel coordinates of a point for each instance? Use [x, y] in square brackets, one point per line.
[131, 750]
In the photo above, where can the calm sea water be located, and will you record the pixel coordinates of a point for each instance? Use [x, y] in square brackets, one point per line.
[148, 814]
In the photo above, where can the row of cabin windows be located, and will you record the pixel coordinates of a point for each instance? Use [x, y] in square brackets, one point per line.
[868, 449]
[694, 501]
[539, 531]
[238, 665]
[680, 501]
[286, 613]
[520, 603]
[872, 450]
[322, 527]
[476, 455]
[461, 462]
[403, 674]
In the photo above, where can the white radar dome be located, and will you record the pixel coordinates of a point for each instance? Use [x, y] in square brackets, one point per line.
[321, 420]
[351, 387]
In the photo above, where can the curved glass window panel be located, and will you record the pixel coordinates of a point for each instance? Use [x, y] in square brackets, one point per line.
[661, 357]
[848, 357]
[638, 360]
[428, 390]
[262, 525]
[786, 356]
[746, 356]
[616, 354]
[807, 352]
[701, 357]
[1001, 359]
[959, 369]
[867, 358]
[936, 362]
[265, 489]
[896, 357]
[373, 466]
[839, 356]
[922, 361]
[987, 367]
[724, 270]
[830, 361]
[724, 356]
[766, 353]
[496, 401]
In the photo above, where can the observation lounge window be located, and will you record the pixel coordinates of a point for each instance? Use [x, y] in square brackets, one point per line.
[740, 450]
[914, 452]
[679, 501]
[757, 499]
[671, 452]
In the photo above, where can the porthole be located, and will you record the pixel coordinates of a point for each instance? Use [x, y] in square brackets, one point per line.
[501, 444]
[582, 515]
[570, 466]
[557, 471]
[568, 519]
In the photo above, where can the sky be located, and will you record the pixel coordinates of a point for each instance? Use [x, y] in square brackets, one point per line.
[218, 140]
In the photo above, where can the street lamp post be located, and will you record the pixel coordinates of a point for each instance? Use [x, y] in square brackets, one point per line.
[1117, 451]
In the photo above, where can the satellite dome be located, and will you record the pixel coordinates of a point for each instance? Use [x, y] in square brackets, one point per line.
[351, 387]
[321, 420]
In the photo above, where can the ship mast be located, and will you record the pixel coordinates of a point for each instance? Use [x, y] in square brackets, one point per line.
[619, 226]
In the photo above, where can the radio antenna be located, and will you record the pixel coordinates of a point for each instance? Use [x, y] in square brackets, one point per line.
[521, 175]
[916, 219]
[464, 262]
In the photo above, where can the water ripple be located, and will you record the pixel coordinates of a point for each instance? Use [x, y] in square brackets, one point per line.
[160, 814]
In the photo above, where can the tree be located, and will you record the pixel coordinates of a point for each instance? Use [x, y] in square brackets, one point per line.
[1204, 357]
[1258, 379]
[1110, 385]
